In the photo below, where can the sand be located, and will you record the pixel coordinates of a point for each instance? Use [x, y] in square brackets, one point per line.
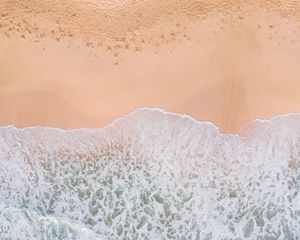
[74, 64]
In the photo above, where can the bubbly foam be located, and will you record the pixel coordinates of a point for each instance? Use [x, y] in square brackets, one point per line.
[152, 175]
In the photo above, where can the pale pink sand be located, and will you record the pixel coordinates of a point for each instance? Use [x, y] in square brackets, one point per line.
[75, 64]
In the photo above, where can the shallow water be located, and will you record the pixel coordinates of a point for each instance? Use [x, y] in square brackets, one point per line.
[151, 175]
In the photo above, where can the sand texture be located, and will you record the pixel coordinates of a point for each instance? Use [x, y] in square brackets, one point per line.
[83, 63]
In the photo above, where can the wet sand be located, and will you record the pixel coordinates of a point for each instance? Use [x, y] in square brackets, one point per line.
[74, 64]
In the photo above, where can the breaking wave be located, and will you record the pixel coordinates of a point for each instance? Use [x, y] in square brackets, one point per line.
[151, 175]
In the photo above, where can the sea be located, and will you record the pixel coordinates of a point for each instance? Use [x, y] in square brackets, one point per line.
[151, 175]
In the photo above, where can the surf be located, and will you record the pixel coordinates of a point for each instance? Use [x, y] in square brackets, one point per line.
[152, 175]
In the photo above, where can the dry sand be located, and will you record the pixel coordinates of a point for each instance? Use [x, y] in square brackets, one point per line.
[82, 63]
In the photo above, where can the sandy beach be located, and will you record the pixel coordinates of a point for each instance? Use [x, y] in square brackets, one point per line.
[74, 64]
[146, 66]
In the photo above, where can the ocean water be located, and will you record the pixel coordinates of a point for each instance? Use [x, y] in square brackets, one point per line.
[151, 175]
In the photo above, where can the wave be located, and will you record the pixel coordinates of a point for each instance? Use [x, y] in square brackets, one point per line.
[152, 175]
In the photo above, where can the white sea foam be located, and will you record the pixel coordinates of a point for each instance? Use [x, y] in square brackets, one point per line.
[152, 175]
